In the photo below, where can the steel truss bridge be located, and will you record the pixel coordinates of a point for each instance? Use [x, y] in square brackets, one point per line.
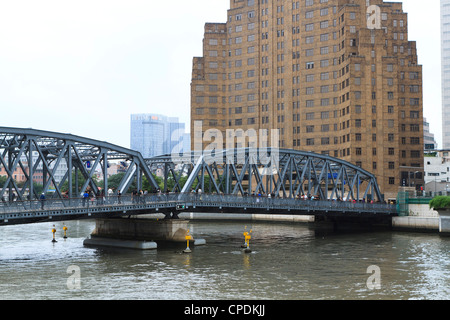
[248, 180]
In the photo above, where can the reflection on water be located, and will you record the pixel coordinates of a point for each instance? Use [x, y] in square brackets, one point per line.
[288, 261]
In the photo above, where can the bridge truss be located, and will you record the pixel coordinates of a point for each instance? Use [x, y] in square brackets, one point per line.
[278, 172]
[227, 180]
[37, 156]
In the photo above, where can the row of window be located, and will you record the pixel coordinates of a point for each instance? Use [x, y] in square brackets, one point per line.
[280, 94]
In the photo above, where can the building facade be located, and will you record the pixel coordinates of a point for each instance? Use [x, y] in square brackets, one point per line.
[445, 68]
[429, 141]
[335, 77]
[154, 135]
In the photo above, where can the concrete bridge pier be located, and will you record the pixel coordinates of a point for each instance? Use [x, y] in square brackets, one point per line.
[444, 222]
[135, 233]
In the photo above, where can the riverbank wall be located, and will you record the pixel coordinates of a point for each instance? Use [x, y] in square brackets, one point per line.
[420, 218]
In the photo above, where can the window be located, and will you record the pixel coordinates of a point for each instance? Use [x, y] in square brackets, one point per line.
[324, 63]
[414, 114]
[415, 154]
[324, 115]
[310, 65]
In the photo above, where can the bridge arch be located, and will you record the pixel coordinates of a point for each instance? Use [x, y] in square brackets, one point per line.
[38, 155]
[278, 172]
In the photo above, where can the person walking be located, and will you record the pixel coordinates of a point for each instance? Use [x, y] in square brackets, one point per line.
[119, 195]
[42, 198]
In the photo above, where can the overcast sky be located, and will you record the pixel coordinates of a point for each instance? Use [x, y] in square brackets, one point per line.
[84, 66]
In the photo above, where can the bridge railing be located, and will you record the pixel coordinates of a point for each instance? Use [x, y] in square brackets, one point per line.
[287, 203]
[198, 199]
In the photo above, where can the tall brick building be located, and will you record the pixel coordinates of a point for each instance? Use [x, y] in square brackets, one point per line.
[336, 77]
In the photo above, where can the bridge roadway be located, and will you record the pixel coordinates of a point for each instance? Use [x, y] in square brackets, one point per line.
[25, 212]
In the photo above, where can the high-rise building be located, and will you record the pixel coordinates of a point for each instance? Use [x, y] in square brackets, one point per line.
[445, 68]
[154, 135]
[429, 141]
[335, 77]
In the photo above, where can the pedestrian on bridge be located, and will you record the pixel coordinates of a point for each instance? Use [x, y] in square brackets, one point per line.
[119, 195]
[85, 198]
[42, 198]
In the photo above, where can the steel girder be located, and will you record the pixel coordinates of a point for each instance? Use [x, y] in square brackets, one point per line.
[38, 155]
[283, 173]
[279, 172]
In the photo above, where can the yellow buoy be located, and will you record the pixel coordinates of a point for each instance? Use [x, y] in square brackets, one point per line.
[188, 237]
[247, 241]
[54, 231]
[65, 230]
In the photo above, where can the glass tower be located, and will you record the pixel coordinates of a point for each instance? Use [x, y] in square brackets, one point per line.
[445, 47]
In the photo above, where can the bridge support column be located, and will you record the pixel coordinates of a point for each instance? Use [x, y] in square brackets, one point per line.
[137, 233]
[444, 222]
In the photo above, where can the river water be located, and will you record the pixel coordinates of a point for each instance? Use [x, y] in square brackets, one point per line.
[287, 262]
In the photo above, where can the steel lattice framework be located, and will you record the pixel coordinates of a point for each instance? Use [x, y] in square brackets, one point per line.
[227, 179]
[281, 173]
[38, 155]
[278, 172]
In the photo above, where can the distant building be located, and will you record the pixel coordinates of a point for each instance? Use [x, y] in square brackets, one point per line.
[437, 167]
[154, 135]
[445, 69]
[437, 172]
[429, 141]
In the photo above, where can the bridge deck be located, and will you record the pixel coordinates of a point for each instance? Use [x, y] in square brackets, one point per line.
[23, 212]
